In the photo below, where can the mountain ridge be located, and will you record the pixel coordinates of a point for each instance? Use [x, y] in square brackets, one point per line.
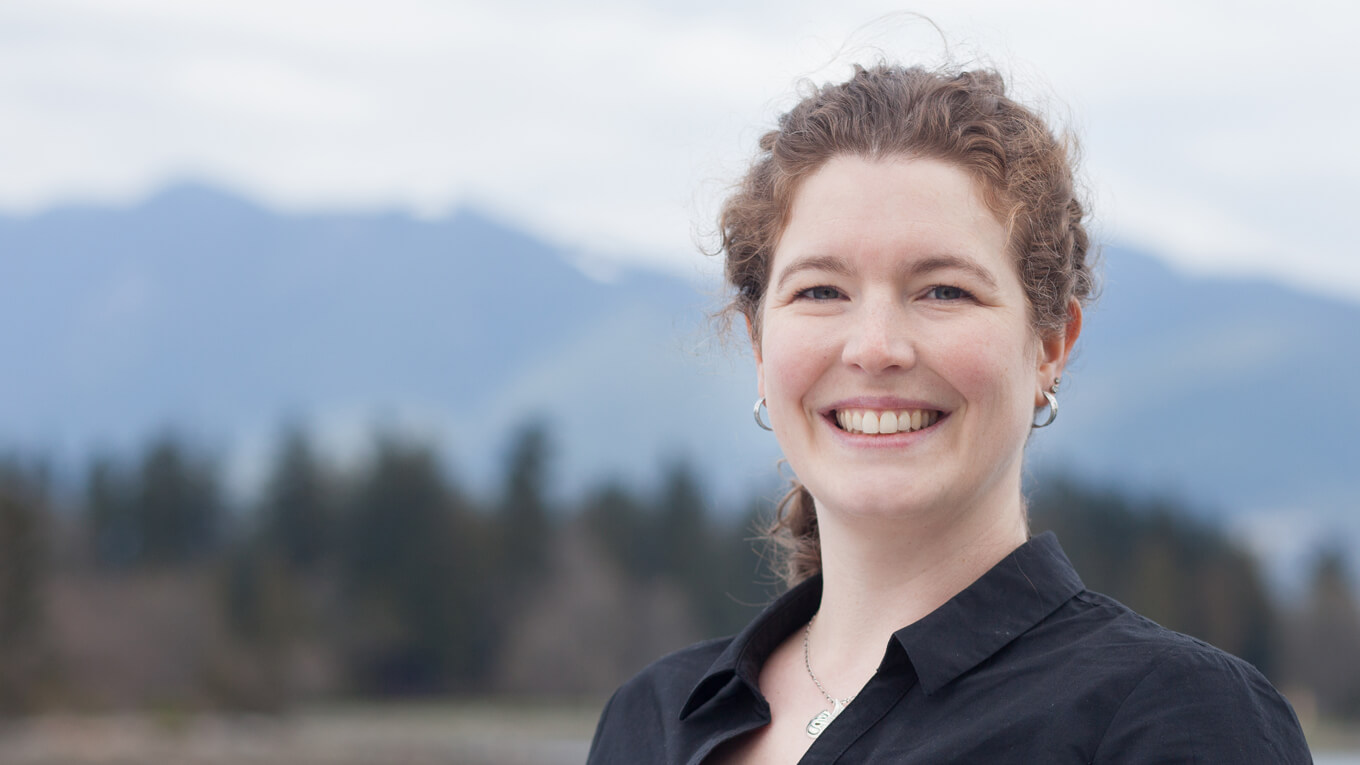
[199, 308]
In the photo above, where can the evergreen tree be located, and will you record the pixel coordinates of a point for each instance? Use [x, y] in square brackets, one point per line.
[24, 657]
[1157, 558]
[618, 523]
[682, 526]
[523, 519]
[746, 582]
[297, 515]
[178, 504]
[111, 514]
[414, 579]
[688, 554]
[1323, 647]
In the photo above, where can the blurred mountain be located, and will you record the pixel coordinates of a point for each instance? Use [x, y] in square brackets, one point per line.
[200, 310]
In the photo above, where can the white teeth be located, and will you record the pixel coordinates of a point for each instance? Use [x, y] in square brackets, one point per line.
[870, 422]
[870, 425]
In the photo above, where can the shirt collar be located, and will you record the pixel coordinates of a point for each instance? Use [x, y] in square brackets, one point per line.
[1016, 594]
[741, 661]
[1004, 603]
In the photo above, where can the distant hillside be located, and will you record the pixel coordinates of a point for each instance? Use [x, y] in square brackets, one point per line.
[202, 310]
[1237, 394]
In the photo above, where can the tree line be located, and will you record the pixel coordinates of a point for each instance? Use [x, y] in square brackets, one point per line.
[145, 584]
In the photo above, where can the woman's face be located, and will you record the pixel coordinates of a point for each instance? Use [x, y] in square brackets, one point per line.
[894, 306]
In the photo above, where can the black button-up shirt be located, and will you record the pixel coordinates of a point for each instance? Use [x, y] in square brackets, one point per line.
[1024, 666]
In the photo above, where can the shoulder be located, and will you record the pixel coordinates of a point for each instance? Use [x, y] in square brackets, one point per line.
[668, 681]
[643, 712]
[1173, 694]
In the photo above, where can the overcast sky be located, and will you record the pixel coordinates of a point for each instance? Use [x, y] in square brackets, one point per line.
[1222, 136]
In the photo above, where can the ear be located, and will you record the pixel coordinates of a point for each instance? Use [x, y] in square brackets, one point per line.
[755, 350]
[1054, 351]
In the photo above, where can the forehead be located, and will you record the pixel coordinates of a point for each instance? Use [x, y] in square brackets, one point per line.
[890, 209]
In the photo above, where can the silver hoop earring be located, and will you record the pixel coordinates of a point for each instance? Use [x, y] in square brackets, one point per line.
[1052, 411]
[759, 403]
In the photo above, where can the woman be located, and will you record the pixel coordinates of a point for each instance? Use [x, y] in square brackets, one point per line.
[909, 254]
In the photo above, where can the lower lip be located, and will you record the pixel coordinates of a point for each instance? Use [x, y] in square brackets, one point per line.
[892, 441]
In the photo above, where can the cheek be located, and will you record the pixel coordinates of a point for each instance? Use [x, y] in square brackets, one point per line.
[792, 359]
[995, 369]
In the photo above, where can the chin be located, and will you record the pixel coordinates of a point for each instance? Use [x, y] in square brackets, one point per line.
[878, 500]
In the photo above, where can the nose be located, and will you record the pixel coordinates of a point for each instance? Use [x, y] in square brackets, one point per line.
[879, 338]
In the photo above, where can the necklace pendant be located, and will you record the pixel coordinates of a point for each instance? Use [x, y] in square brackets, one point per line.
[823, 719]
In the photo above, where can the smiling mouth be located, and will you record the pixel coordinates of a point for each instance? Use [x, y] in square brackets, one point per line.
[873, 422]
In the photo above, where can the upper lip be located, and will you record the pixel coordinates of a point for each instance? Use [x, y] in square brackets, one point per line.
[880, 403]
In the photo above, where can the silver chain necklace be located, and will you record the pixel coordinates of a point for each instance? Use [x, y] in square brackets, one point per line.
[818, 724]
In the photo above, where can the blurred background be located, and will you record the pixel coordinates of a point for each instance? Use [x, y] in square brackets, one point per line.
[360, 399]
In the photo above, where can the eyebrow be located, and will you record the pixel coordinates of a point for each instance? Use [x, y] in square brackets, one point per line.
[828, 263]
[945, 262]
[836, 265]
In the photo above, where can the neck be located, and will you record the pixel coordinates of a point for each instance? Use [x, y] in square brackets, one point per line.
[880, 575]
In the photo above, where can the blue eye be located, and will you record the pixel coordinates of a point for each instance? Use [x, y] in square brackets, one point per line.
[946, 292]
[821, 293]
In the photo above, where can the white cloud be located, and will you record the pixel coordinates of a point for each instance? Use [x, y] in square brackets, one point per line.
[612, 126]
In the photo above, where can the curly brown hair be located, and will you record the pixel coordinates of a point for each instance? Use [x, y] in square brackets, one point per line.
[1024, 172]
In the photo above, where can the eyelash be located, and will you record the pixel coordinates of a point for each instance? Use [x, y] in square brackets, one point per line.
[963, 294]
[807, 294]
